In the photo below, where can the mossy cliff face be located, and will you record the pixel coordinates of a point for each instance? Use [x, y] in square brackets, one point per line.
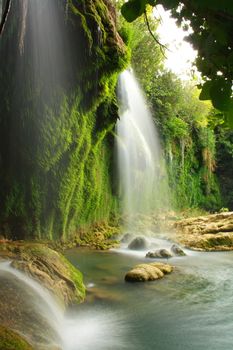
[59, 66]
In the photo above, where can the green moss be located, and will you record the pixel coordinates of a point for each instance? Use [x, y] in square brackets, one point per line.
[56, 178]
[9, 340]
[215, 242]
[37, 260]
[77, 278]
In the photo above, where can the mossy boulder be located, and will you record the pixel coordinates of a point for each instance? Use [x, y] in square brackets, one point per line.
[148, 272]
[49, 268]
[10, 340]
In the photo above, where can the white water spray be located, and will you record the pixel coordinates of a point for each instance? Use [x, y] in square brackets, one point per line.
[82, 330]
[142, 174]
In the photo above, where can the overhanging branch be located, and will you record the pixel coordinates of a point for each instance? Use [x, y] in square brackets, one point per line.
[161, 46]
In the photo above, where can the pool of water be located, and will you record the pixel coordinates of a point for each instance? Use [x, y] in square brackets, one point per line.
[191, 309]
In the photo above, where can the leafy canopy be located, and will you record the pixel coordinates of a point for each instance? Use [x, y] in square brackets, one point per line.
[212, 24]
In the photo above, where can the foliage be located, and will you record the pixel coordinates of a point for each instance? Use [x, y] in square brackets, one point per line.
[55, 139]
[188, 142]
[224, 152]
[144, 60]
[212, 24]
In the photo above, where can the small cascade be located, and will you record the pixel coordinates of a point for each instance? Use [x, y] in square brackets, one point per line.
[31, 310]
[142, 173]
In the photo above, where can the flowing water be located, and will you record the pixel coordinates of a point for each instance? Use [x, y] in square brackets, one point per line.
[191, 309]
[142, 174]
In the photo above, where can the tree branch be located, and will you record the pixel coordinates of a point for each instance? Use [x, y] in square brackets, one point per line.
[161, 46]
[5, 15]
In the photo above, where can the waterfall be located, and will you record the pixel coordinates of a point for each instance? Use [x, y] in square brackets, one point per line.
[142, 175]
[31, 309]
[35, 313]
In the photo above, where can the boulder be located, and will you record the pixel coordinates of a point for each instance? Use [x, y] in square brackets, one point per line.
[176, 250]
[160, 254]
[49, 268]
[148, 272]
[138, 243]
[127, 238]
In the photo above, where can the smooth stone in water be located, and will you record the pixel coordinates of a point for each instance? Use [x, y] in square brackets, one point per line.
[175, 249]
[148, 272]
[159, 253]
[138, 243]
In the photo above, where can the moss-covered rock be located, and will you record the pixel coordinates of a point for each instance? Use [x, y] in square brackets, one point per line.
[10, 340]
[49, 268]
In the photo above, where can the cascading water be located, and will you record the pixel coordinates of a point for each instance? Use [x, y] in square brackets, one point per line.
[142, 174]
[35, 313]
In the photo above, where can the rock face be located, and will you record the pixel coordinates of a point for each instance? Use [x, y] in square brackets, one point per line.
[138, 243]
[10, 340]
[210, 232]
[55, 154]
[159, 253]
[49, 268]
[176, 250]
[148, 272]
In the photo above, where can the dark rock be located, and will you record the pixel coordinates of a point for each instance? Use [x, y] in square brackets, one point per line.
[160, 253]
[176, 250]
[138, 243]
[127, 238]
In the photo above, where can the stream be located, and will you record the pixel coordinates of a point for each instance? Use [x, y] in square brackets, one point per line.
[189, 309]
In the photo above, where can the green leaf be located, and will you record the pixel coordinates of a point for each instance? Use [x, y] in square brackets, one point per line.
[133, 9]
[229, 114]
[229, 118]
[205, 92]
[220, 93]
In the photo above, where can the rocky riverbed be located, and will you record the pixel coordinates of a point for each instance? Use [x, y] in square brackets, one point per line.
[206, 233]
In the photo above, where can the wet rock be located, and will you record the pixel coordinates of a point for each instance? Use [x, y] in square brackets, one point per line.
[49, 268]
[138, 243]
[20, 311]
[127, 238]
[10, 340]
[209, 233]
[176, 250]
[159, 253]
[148, 272]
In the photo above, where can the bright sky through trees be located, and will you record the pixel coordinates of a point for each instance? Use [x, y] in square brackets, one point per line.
[180, 56]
